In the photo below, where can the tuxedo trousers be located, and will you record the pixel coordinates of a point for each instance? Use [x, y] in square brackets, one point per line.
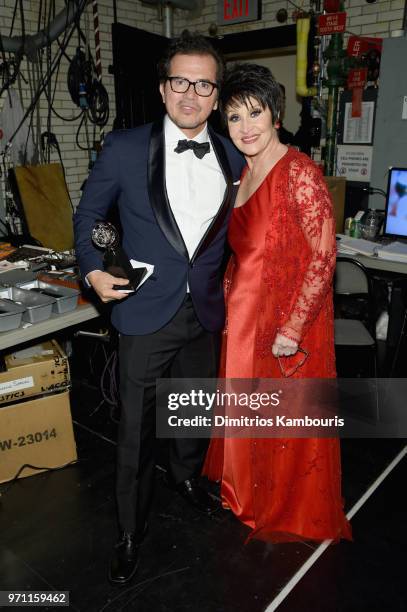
[183, 349]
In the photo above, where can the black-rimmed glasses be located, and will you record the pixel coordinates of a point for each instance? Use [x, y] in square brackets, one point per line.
[181, 85]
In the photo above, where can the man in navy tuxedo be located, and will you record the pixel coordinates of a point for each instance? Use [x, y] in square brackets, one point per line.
[173, 182]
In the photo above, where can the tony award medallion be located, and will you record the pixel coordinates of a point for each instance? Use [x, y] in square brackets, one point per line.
[105, 236]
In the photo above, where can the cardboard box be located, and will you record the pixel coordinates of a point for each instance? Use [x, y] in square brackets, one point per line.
[337, 189]
[38, 432]
[39, 369]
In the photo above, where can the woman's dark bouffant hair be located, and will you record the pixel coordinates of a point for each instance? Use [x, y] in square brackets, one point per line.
[190, 44]
[244, 81]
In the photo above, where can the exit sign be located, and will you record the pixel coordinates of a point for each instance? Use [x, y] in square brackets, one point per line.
[238, 11]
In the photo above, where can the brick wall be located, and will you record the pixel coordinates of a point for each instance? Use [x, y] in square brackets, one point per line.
[377, 19]
[380, 18]
[130, 12]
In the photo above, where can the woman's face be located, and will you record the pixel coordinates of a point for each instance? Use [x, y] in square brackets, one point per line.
[251, 127]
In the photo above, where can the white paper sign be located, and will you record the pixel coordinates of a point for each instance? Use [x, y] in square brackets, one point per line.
[358, 129]
[354, 162]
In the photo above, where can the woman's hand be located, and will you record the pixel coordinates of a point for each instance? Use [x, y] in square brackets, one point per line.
[284, 346]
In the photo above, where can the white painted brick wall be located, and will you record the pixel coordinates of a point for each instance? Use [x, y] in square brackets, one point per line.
[378, 19]
[397, 4]
[362, 19]
[130, 12]
[360, 14]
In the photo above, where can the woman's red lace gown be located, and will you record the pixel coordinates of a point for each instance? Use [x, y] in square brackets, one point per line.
[280, 278]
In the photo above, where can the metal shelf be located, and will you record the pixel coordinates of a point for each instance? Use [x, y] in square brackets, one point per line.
[53, 324]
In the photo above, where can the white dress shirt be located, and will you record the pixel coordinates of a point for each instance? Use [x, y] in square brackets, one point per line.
[195, 187]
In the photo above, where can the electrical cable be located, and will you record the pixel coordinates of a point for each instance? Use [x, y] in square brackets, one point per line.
[26, 141]
[110, 367]
[39, 91]
[57, 59]
[77, 135]
[60, 116]
[85, 90]
[109, 392]
[39, 17]
[50, 98]
[22, 18]
[33, 467]
[97, 102]
[109, 396]
[10, 79]
[375, 190]
[37, 87]
[48, 95]
[13, 18]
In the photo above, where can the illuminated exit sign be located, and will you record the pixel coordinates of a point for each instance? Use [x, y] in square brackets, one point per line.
[238, 11]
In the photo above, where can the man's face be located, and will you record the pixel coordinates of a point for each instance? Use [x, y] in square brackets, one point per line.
[188, 110]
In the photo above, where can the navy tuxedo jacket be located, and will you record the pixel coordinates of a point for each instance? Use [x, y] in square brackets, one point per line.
[131, 171]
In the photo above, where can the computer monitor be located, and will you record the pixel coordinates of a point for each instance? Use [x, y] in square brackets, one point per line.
[395, 217]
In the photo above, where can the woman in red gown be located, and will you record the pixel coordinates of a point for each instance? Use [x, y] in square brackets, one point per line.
[279, 303]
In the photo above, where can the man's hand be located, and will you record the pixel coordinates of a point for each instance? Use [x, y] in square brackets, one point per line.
[102, 283]
[284, 346]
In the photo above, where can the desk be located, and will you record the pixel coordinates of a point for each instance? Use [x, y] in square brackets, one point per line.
[375, 263]
[55, 323]
[394, 273]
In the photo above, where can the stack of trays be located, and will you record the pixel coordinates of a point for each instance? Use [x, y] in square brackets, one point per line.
[65, 298]
[37, 307]
[34, 301]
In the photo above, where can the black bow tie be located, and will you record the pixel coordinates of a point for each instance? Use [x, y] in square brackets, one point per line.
[199, 148]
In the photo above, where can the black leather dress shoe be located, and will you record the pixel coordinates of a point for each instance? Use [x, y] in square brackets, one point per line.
[197, 497]
[124, 562]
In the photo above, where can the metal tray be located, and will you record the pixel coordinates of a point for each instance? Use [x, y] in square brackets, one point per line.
[38, 307]
[66, 298]
[10, 315]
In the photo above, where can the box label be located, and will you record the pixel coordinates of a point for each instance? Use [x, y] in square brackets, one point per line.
[30, 438]
[17, 385]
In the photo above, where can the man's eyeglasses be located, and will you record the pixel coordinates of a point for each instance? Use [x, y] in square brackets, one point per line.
[291, 363]
[181, 85]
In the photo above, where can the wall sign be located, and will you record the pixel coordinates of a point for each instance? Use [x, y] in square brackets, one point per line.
[358, 130]
[357, 78]
[354, 162]
[331, 23]
[358, 45]
[238, 11]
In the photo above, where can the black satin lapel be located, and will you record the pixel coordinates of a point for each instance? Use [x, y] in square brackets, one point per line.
[158, 192]
[228, 199]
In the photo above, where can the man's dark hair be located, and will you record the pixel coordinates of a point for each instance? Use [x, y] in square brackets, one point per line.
[244, 81]
[190, 44]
